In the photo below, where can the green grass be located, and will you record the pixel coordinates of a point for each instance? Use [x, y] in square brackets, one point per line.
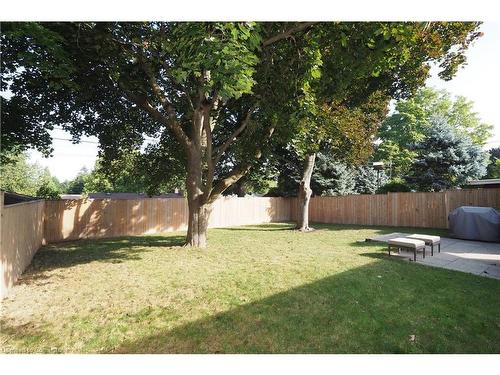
[258, 289]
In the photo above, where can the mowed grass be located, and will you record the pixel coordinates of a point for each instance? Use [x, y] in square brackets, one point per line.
[258, 289]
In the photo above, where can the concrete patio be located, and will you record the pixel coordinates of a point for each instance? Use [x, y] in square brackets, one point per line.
[479, 258]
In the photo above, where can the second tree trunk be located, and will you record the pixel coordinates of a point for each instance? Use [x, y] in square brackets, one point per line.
[305, 193]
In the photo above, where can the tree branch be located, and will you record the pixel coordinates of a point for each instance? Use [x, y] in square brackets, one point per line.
[210, 162]
[288, 33]
[167, 106]
[236, 174]
[232, 137]
[223, 184]
[171, 123]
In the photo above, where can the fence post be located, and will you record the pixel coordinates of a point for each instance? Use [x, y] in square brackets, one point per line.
[390, 213]
[3, 278]
[1, 215]
[446, 207]
[44, 221]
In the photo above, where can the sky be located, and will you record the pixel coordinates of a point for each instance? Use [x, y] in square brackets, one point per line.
[478, 81]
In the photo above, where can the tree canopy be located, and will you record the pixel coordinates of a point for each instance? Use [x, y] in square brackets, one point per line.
[20, 176]
[214, 94]
[412, 117]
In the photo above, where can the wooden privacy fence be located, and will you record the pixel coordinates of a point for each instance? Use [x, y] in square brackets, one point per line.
[25, 226]
[428, 210]
[21, 227]
[87, 218]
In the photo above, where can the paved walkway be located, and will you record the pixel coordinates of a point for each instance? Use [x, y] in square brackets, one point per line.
[479, 258]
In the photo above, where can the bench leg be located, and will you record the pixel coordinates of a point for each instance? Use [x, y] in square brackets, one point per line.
[432, 249]
[439, 247]
[415, 254]
[424, 250]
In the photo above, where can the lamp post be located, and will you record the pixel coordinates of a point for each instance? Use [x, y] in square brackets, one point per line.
[378, 166]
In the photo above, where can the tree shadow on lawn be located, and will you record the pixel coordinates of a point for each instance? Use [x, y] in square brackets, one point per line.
[383, 307]
[27, 332]
[378, 230]
[261, 227]
[112, 250]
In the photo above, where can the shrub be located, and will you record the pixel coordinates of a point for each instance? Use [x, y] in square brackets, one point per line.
[394, 186]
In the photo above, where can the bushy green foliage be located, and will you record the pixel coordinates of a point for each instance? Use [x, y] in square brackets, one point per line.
[17, 176]
[77, 184]
[156, 75]
[396, 185]
[49, 189]
[330, 177]
[368, 180]
[412, 118]
[20, 176]
[445, 158]
[493, 169]
[259, 181]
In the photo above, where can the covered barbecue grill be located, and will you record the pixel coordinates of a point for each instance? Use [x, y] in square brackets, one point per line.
[475, 223]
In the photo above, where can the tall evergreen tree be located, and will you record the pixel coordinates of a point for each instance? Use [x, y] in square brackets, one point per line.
[368, 180]
[445, 158]
[332, 178]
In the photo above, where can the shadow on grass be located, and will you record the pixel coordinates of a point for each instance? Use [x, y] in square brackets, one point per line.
[261, 227]
[26, 332]
[375, 308]
[378, 230]
[113, 250]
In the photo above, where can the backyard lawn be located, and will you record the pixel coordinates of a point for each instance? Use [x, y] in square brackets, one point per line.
[255, 289]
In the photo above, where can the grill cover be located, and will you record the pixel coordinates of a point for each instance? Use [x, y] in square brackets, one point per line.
[475, 223]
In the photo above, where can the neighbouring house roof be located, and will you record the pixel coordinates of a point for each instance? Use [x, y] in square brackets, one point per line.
[13, 198]
[131, 195]
[492, 182]
[71, 196]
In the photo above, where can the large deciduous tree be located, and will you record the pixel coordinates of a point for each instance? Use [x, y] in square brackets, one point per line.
[369, 65]
[344, 132]
[213, 94]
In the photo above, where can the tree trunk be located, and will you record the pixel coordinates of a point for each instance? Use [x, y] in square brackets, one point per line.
[198, 224]
[199, 208]
[305, 193]
[240, 188]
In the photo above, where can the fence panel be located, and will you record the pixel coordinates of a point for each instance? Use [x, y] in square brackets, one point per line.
[21, 236]
[24, 226]
[94, 218]
[428, 210]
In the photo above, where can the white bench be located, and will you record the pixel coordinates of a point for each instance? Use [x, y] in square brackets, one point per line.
[429, 240]
[407, 243]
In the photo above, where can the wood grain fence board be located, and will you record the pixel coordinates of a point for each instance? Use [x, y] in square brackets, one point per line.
[25, 226]
[21, 236]
[96, 218]
[419, 210]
